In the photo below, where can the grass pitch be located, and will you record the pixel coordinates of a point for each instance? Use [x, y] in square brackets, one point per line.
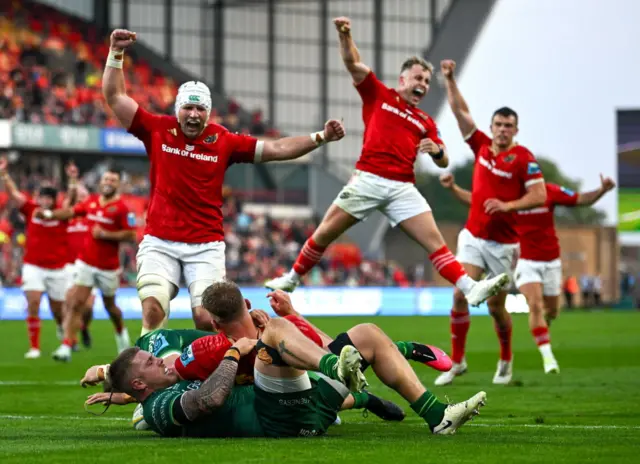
[588, 413]
[628, 210]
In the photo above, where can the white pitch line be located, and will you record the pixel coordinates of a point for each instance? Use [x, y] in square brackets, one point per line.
[514, 426]
[87, 417]
[21, 383]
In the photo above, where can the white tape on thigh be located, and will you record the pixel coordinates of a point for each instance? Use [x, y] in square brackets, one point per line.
[196, 289]
[153, 285]
[281, 384]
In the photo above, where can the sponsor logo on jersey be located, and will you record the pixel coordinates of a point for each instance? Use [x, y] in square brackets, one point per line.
[173, 132]
[189, 154]
[493, 169]
[539, 210]
[533, 168]
[211, 139]
[404, 115]
[131, 220]
[567, 191]
[264, 356]
[112, 209]
[157, 344]
[187, 356]
[189, 147]
[509, 158]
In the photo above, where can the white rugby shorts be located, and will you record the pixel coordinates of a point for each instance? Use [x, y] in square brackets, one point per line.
[366, 193]
[200, 262]
[90, 276]
[39, 279]
[495, 258]
[547, 273]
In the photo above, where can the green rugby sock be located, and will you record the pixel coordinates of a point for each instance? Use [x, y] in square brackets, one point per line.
[361, 399]
[329, 365]
[429, 408]
[406, 348]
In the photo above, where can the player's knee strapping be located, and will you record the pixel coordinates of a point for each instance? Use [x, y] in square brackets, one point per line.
[269, 355]
[340, 342]
[155, 286]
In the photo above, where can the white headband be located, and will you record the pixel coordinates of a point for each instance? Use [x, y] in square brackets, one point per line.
[193, 93]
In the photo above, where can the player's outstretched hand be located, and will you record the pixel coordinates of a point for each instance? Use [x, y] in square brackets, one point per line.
[607, 183]
[106, 398]
[343, 24]
[447, 180]
[245, 345]
[429, 147]
[122, 39]
[447, 68]
[90, 378]
[333, 130]
[493, 206]
[260, 318]
[281, 303]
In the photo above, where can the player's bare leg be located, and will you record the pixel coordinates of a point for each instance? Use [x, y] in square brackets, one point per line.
[552, 308]
[282, 339]
[152, 315]
[423, 229]
[395, 372]
[503, 326]
[538, 325]
[336, 221]
[33, 323]
[115, 314]
[72, 321]
[87, 317]
[57, 311]
[460, 323]
[202, 319]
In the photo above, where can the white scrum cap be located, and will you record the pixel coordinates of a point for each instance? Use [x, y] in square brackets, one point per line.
[193, 93]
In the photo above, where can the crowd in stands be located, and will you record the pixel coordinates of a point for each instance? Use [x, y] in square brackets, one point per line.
[257, 246]
[51, 73]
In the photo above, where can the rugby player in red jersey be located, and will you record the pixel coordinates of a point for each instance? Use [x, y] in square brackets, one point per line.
[538, 274]
[78, 232]
[98, 265]
[395, 131]
[184, 233]
[506, 178]
[45, 257]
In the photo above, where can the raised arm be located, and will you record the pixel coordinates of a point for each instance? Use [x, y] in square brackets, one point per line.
[349, 52]
[113, 86]
[216, 389]
[463, 196]
[589, 198]
[456, 100]
[10, 185]
[72, 186]
[289, 148]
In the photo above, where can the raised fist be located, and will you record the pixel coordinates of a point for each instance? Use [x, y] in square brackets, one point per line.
[122, 39]
[447, 67]
[343, 24]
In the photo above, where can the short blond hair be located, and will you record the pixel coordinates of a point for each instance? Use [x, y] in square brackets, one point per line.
[413, 60]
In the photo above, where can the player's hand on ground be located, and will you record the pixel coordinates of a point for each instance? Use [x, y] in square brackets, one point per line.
[280, 302]
[447, 68]
[333, 130]
[493, 206]
[90, 378]
[606, 182]
[106, 398]
[245, 345]
[122, 39]
[260, 318]
[97, 232]
[428, 146]
[343, 24]
[72, 171]
[447, 180]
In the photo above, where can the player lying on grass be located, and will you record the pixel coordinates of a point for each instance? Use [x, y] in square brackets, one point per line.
[283, 402]
[168, 345]
[539, 269]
